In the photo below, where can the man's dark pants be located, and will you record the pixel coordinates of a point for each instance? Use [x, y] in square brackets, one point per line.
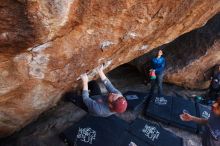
[157, 82]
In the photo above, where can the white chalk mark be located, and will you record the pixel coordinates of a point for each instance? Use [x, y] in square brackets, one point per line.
[106, 44]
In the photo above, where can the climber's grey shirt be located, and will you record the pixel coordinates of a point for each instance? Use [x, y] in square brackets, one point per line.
[211, 136]
[96, 107]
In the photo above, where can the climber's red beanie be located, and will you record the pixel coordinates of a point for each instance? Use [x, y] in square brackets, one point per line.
[119, 105]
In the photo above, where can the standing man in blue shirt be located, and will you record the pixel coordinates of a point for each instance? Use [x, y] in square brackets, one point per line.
[158, 65]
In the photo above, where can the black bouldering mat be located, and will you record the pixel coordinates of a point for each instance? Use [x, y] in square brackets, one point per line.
[168, 109]
[135, 100]
[180, 106]
[126, 138]
[95, 131]
[154, 134]
[160, 108]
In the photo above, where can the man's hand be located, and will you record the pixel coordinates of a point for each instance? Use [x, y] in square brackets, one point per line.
[100, 69]
[84, 78]
[85, 81]
[186, 117]
[100, 72]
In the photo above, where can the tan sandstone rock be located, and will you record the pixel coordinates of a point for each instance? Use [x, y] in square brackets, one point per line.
[193, 67]
[46, 45]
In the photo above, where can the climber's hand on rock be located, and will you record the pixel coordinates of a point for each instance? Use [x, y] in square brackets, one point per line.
[100, 69]
[84, 78]
[101, 73]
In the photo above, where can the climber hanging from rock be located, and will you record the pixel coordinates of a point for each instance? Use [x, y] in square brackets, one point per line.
[101, 105]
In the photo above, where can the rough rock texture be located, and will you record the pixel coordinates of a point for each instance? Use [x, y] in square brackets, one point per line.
[46, 45]
[191, 57]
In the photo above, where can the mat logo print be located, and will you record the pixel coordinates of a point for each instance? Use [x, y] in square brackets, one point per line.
[86, 135]
[205, 114]
[160, 101]
[151, 132]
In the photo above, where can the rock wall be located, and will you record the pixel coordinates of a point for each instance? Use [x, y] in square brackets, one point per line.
[191, 58]
[194, 68]
[46, 45]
